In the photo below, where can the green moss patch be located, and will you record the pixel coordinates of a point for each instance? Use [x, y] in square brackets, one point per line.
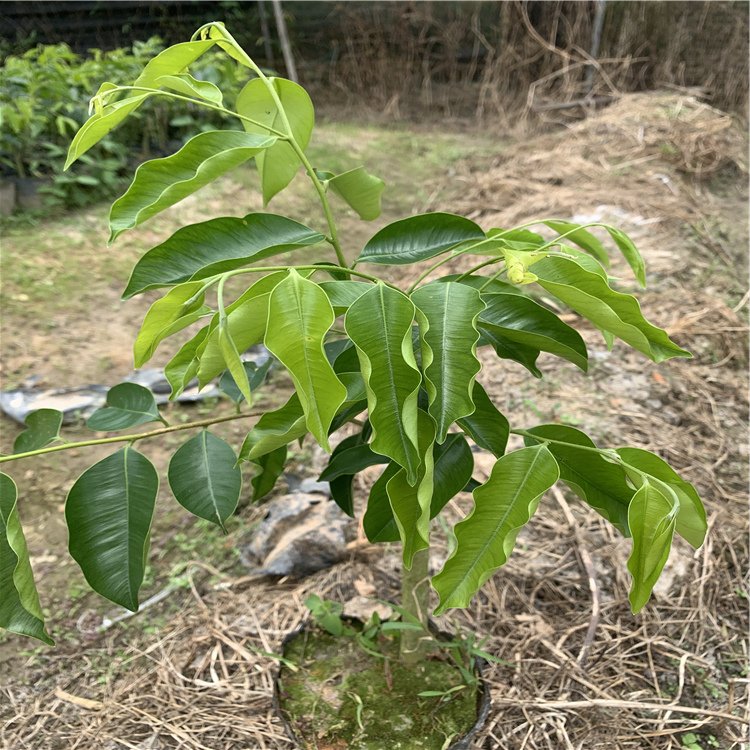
[344, 698]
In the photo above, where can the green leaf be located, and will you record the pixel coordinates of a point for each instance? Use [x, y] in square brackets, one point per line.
[277, 166]
[271, 467]
[20, 611]
[166, 316]
[169, 62]
[630, 253]
[378, 522]
[581, 237]
[109, 511]
[275, 429]
[42, 428]
[590, 296]
[523, 321]
[360, 190]
[485, 538]
[160, 183]
[204, 478]
[128, 405]
[183, 367]
[419, 238]
[212, 247]
[255, 376]
[350, 460]
[380, 325]
[410, 503]
[299, 316]
[652, 517]
[342, 294]
[691, 519]
[486, 426]
[188, 86]
[232, 361]
[245, 323]
[507, 349]
[449, 335]
[598, 482]
[484, 284]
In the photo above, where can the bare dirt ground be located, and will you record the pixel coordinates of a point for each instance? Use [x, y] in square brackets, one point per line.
[580, 671]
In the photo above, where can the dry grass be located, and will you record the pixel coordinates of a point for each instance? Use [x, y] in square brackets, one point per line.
[582, 673]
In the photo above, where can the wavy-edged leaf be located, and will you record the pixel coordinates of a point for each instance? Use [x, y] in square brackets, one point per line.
[507, 349]
[183, 367]
[410, 503]
[485, 538]
[581, 237]
[598, 482]
[380, 325]
[419, 238]
[342, 294]
[449, 335]
[360, 190]
[486, 425]
[523, 321]
[299, 316]
[20, 611]
[109, 511]
[277, 166]
[255, 375]
[127, 405]
[275, 429]
[204, 478]
[271, 467]
[160, 183]
[691, 519]
[652, 517]
[590, 296]
[169, 62]
[42, 428]
[188, 86]
[169, 315]
[215, 246]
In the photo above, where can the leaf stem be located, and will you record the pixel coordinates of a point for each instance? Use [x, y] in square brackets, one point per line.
[607, 453]
[269, 269]
[127, 438]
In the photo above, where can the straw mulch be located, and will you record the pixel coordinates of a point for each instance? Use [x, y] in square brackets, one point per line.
[580, 671]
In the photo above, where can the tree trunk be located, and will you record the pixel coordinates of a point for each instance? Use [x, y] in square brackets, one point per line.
[286, 47]
[415, 594]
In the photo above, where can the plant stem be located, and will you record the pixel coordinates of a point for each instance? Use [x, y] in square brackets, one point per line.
[415, 591]
[269, 269]
[601, 451]
[127, 438]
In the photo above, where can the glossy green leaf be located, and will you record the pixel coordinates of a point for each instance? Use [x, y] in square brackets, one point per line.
[205, 479]
[183, 367]
[486, 426]
[419, 238]
[277, 166]
[109, 511]
[255, 376]
[360, 190]
[169, 62]
[378, 521]
[212, 247]
[630, 253]
[411, 503]
[186, 85]
[342, 294]
[232, 361]
[179, 308]
[485, 538]
[128, 405]
[598, 482]
[271, 467]
[447, 315]
[20, 611]
[590, 296]
[523, 321]
[160, 183]
[299, 316]
[42, 428]
[275, 429]
[691, 519]
[507, 349]
[581, 237]
[380, 325]
[652, 517]
[350, 460]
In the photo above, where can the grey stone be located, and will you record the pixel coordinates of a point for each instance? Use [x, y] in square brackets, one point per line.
[312, 485]
[300, 534]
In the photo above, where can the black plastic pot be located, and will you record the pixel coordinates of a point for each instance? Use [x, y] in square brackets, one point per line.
[484, 699]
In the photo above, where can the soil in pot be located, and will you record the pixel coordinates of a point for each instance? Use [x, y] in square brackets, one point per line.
[342, 697]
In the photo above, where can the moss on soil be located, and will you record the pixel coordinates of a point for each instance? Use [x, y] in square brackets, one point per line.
[343, 698]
